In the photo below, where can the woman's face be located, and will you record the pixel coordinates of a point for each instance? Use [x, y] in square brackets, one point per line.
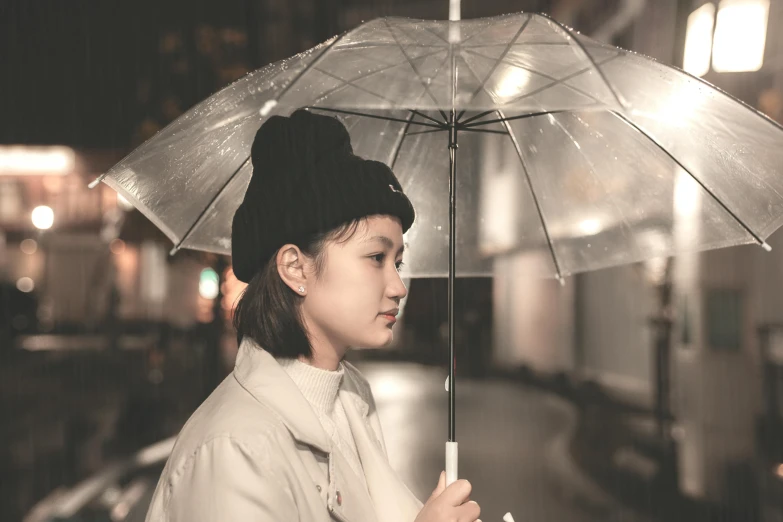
[348, 304]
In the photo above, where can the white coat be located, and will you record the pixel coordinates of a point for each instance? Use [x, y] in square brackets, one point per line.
[254, 451]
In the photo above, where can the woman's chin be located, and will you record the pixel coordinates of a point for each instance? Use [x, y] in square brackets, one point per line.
[378, 343]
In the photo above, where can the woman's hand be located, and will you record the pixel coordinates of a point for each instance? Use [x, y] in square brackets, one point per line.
[450, 504]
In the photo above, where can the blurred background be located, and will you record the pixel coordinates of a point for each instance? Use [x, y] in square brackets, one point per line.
[646, 392]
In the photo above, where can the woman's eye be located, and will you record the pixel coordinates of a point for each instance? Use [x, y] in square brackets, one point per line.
[399, 265]
[379, 257]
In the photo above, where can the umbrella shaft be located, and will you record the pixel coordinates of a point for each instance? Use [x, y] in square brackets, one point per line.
[452, 269]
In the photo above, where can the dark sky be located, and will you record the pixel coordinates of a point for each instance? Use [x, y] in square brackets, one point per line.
[71, 67]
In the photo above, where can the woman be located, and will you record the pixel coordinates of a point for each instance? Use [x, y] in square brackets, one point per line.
[293, 434]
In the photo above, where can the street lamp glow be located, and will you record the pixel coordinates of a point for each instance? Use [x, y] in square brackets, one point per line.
[123, 202]
[25, 284]
[21, 160]
[513, 82]
[740, 35]
[698, 40]
[43, 217]
[590, 227]
[28, 246]
[209, 284]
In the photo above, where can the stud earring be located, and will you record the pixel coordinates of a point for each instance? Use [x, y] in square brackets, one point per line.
[301, 289]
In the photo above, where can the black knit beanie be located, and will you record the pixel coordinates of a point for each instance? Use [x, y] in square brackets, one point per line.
[306, 180]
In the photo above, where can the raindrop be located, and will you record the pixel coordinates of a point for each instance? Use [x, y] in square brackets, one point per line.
[267, 108]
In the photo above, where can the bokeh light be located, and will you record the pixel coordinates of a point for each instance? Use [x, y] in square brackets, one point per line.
[43, 217]
[25, 284]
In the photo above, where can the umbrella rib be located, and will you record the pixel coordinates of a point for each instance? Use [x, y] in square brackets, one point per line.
[532, 193]
[554, 80]
[474, 118]
[504, 119]
[581, 46]
[398, 146]
[564, 79]
[757, 112]
[695, 178]
[373, 73]
[515, 45]
[377, 45]
[433, 33]
[375, 116]
[209, 205]
[500, 58]
[405, 133]
[426, 132]
[426, 117]
[599, 180]
[350, 82]
[514, 141]
[410, 62]
[490, 131]
[285, 89]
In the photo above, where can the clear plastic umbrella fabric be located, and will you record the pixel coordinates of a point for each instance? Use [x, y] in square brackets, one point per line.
[579, 153]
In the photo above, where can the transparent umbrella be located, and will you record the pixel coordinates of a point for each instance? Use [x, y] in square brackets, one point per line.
[577, 152]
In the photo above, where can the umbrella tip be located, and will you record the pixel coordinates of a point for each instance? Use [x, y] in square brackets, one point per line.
[561, 280]
[765, 246]
[94, 183]
[174, 250]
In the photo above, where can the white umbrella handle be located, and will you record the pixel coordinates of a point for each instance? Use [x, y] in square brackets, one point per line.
[452, 462]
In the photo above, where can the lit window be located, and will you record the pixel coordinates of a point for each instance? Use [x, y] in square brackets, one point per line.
[740, 35]
[698, 40]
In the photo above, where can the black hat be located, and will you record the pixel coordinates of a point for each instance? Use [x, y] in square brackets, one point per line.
[307, 180]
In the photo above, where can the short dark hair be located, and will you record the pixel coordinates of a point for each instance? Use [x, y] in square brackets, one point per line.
[269, 312]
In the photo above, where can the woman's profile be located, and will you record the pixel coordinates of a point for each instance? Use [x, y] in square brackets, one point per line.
[292, 434]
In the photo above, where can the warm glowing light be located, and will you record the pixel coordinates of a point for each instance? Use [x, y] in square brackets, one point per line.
[43, 217]
[21, 160]
[740, 35]
[25, 284]
[123, 203]
[117, 246]
[28, 246]
[512, 82]
[590, 227]
[698, 40]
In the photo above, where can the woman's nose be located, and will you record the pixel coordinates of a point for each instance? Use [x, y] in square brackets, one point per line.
[397, 289]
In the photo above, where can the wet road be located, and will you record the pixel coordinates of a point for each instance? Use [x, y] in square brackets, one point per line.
[513, 448]
[512, 442]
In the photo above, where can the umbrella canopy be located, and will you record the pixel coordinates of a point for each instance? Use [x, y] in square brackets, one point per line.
[591, 155]
[581, 153]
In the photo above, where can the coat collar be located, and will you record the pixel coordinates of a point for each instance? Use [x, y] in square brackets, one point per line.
[261, 375]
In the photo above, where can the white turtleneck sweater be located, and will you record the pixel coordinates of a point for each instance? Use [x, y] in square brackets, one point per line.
[320, 388]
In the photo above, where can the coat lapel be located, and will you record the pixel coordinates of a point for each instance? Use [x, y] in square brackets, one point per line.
[392, 499]
[259, 373]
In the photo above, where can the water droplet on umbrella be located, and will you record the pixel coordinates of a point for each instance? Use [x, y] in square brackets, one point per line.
[267, 108]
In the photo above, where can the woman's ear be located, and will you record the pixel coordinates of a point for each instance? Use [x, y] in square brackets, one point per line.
[291, 266]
